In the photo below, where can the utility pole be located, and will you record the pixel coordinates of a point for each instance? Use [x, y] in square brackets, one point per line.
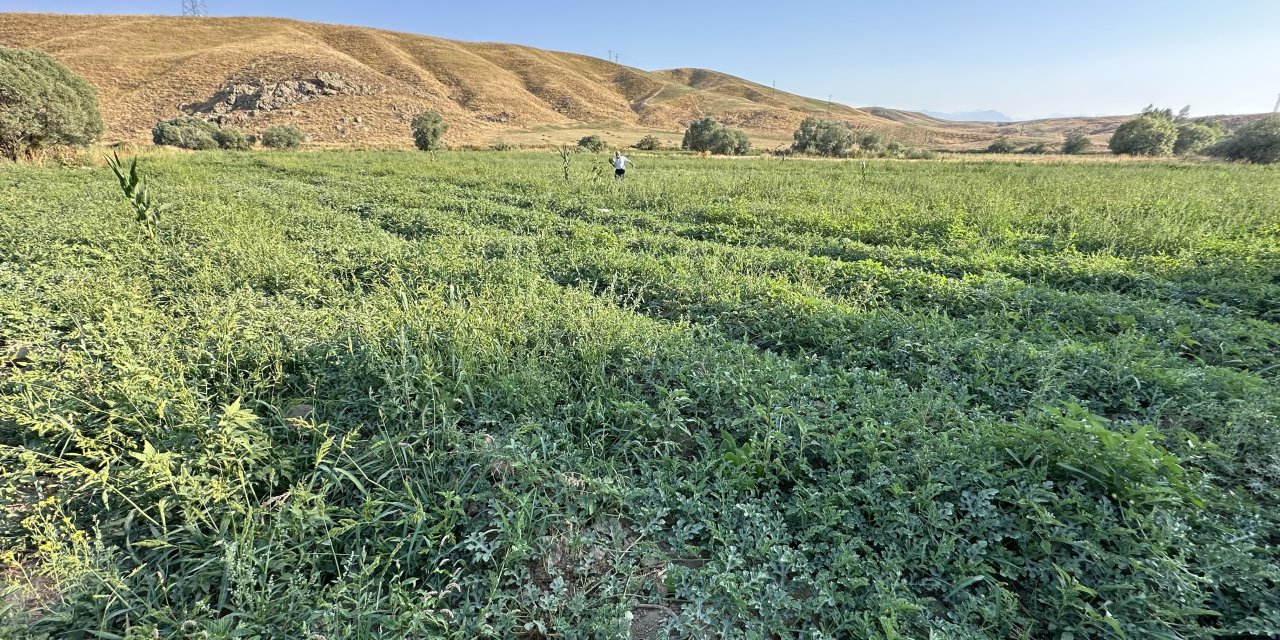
[195, 8]
[1276, 109]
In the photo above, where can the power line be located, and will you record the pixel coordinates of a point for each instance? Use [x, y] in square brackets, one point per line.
[194, 8]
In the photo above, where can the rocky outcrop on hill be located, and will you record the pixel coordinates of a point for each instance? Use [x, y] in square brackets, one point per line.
[237, 101]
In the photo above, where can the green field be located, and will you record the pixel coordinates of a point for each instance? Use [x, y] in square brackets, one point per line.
[351, 395]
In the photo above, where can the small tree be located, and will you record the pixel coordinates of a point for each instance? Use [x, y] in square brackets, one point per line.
[1257, 142]
[283, 136]
[699, 135]
[428, 127]
[648, 143]
[1194, 137]
[1001, 145]
[823, 137]
[43, 104]
[1151, 134]
[232, 139]
[1076, 143]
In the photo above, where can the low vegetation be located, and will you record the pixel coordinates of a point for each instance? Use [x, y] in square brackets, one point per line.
[593, 143]
[648, 143]
[1257, 142]
[1075, 144]
[283, 137]
[43, 104]
[1001, 145]
[472, 398]
[196, 134]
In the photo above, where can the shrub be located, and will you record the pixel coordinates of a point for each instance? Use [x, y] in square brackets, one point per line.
[428, 127]
[232, 139]
[648, 143]
[1000, 145]
[870, 141]
[43, 104]
[920, 154]
[1194, 137]
[1257, 142]
[185, 132]
[730, 142]
[283, 136]
[593, 143]
[1038, 148]
[1151, 134]
[1076, 143]
[823, 137]
[893, 149]
[501, 145]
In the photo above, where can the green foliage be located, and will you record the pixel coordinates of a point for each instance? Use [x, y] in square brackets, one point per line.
[137, 193]
[1194, 137]
[231, 139]
[428, 127]
[824, 137]
[1036, 148]
[593, 144]
[356, 395]
[283, 137]
[1257, 142]
[186, 132]
[1151, 134]
[1075, 144]
[1001, 145]
[648, 143]
[43, 104]
[708, 135]
[870, 141]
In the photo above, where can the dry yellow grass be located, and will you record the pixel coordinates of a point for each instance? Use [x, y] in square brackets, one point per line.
[149, 68]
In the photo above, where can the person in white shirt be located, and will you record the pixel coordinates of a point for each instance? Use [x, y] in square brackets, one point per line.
[620, 165]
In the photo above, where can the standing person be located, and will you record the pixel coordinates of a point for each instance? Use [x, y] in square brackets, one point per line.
[620, 165]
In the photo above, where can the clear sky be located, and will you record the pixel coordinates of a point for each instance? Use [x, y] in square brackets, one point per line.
[1028, 58]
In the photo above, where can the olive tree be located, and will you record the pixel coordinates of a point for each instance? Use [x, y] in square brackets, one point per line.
[428, 127]
[43, 104]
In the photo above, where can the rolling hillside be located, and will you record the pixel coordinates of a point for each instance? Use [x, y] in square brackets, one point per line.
[359, 86]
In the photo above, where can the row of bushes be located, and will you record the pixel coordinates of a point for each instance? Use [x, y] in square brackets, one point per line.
[187, 132]
[1158, 132]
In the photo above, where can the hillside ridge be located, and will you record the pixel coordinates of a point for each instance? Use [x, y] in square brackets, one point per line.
[351, 86]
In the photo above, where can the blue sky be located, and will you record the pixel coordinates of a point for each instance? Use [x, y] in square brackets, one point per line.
[1028, 59]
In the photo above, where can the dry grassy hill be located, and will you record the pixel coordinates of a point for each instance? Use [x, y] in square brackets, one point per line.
[359, 86]
[353, 86]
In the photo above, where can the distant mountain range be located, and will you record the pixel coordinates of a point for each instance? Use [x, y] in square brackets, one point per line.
[969, 116]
